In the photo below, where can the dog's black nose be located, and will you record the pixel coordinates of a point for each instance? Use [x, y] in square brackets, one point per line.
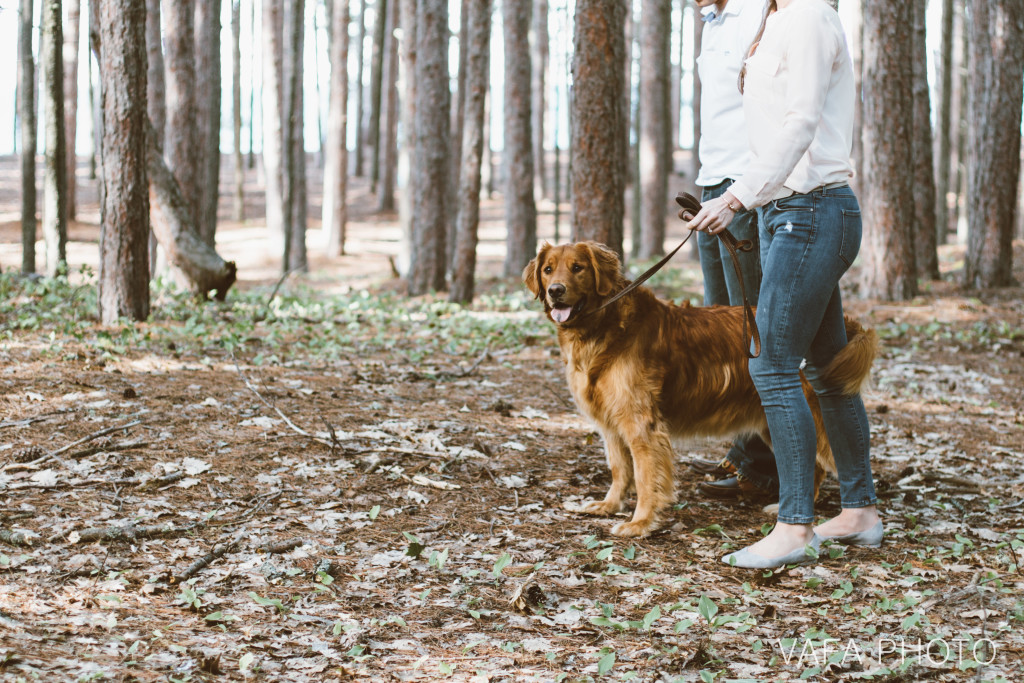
[556, 291]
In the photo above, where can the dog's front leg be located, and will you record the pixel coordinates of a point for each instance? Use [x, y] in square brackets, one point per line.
[621, 465]
[653, 475]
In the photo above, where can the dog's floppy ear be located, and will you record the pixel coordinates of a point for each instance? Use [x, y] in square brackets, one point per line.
[531, 274]
[607, 270]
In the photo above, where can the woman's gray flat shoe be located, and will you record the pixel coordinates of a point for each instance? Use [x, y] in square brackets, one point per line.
[749, 560]
[872, 538]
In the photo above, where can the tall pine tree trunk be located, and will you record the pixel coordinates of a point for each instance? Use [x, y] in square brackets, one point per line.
[27, 114]
[73, 23]
[389, 154]
[376, 87]
[539, 98]
[124, 211]
[520, 208]
[406, 148]
[208, 97]
[55, 228]
[360, 131]
[335, 207]
[431, 172]
[926, 256]
[652, 182]
[180, 138]
[943, 148]
[598, 122]
[888, 212]
[476, 43]
[156, 79]
[273, 123]
[238, 206]
[295, 170]
[993, 139]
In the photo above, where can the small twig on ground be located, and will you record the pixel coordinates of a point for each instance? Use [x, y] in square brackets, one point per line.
[207, 559]
[567, 404]
[28, 420]
[128, 533]
[287, 420]
[55, 455]
[159, 482]
[280, 547]
[273, 293]
[85, 453]
[262, 501]
[950, 598]
[14, 538]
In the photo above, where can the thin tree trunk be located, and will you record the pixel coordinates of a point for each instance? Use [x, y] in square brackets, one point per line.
[27, 113]
[406, 148]
[316, 77]
[431, 173]
[295, 177]
[202, 270]
[926, 256]
[889, 271]
[335, 206]
[274, 157]
[55, 229]
[654, 118]
[180, 138]
[698, 33]
[944, 118]
[633, 107]
[124, 212]
[520, 208]
[360, 90]
[252, 84]
[476, 42]
[488, 162]
[390, 144]
[236, 108]
[993, 162]
[598, 122]
[156, 91]
[857, 154]
[208, 98]
[960, 126]
[458, 115]
[73, 23]
[93, 112]
[376, 76]
[539, 73]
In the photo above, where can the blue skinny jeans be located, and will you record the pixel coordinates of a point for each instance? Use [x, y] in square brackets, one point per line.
[808, 242]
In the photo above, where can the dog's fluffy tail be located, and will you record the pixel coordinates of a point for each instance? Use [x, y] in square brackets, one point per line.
[851, 368]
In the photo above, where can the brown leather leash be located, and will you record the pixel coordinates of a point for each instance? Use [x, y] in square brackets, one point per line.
[691, 205]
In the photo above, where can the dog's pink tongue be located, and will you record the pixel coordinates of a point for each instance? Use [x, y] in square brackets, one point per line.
[560, 315]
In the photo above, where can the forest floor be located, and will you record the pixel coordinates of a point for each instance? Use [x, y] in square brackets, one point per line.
[331, 482]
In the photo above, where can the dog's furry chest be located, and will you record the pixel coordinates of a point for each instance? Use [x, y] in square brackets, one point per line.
[599, 381]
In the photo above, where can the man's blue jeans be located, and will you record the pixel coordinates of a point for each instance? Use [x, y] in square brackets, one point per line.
[750, 455]
[808, 242]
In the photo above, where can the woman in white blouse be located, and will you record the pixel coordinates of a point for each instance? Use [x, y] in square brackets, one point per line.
[798, 100]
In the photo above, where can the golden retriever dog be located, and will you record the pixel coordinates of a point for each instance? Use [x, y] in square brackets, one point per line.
[647, 371]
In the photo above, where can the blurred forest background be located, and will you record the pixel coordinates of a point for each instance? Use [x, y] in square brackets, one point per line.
[173, 129]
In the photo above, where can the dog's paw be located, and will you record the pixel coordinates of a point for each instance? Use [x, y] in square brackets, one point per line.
[633, 529]
[601, 508]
